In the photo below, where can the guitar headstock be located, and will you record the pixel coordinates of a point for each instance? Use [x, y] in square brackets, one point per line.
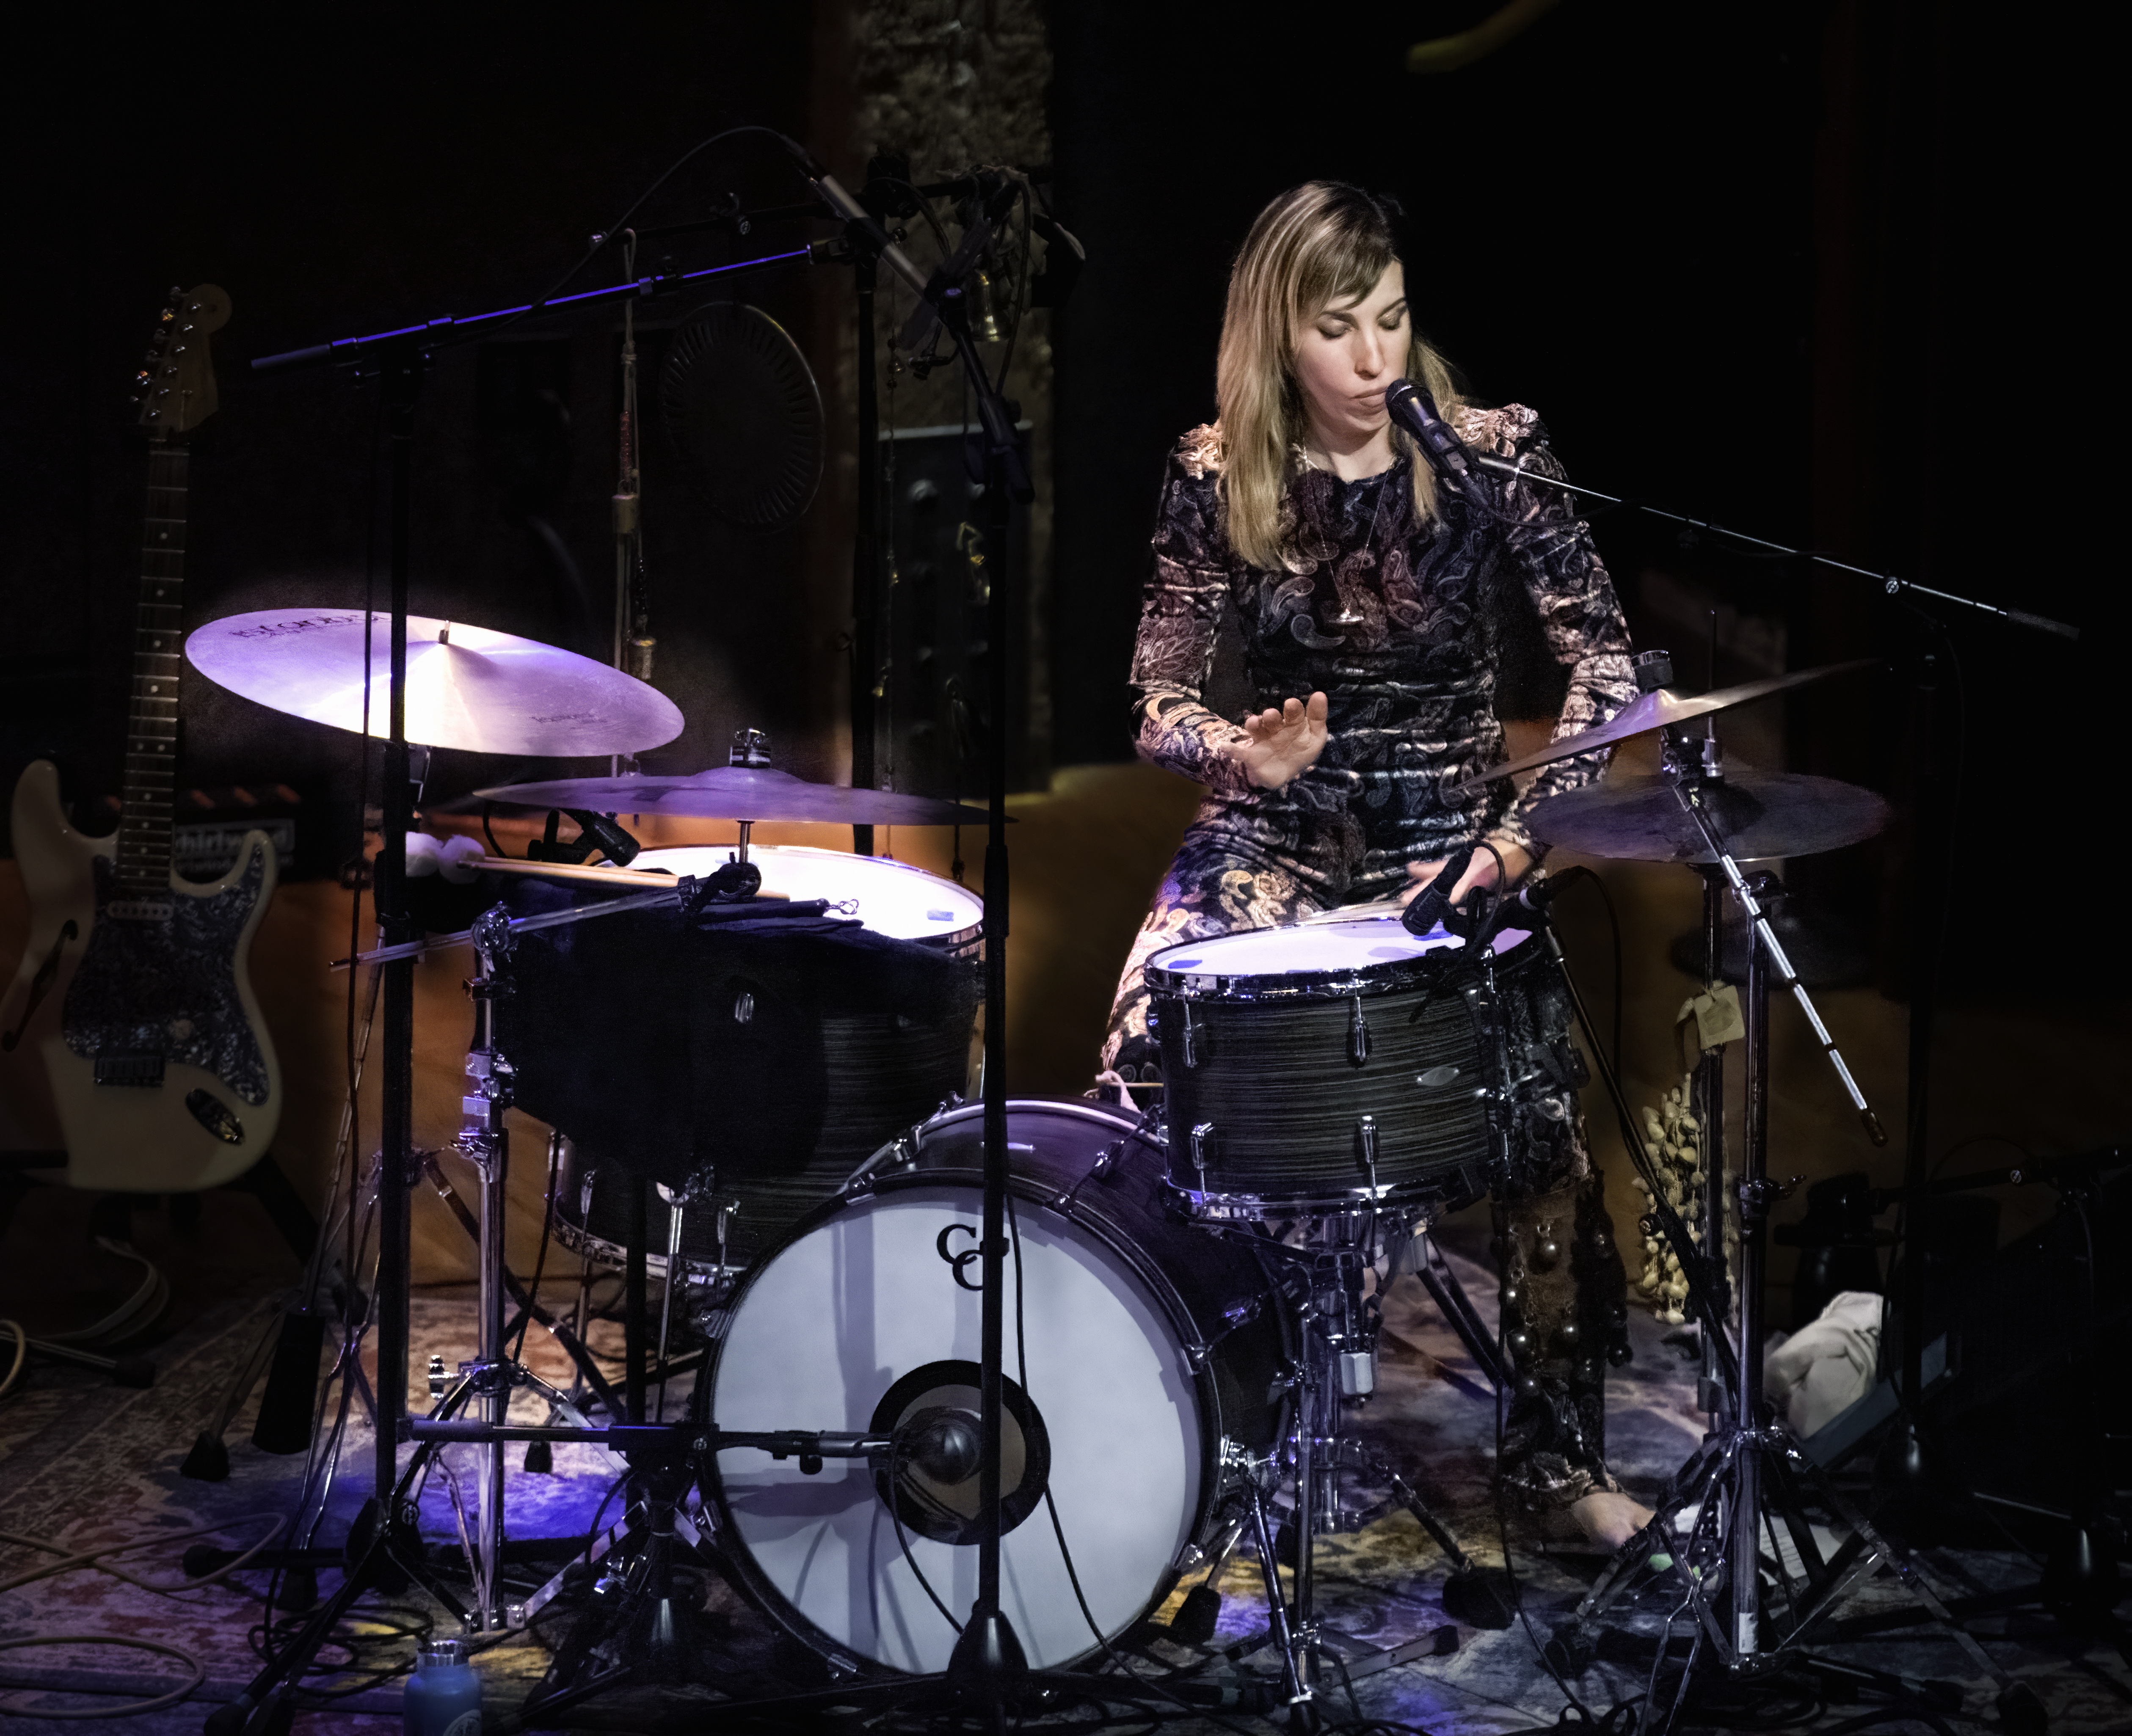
[175, 389]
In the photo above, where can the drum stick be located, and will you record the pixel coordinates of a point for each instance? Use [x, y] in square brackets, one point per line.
[605, 876]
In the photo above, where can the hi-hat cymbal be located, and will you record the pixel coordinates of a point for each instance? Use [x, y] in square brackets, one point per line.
[467, 687]
[1758, 814]
[736, 793]
[1649, 711]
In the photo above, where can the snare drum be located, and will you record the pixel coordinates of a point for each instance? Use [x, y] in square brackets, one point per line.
[890, 898]
[1329, 1066]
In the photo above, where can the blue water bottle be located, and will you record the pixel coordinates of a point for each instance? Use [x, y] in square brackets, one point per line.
[444, 1694]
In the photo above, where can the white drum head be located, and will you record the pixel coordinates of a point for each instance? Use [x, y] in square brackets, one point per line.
[893, 898]
[831, 1323]
[1296, 948]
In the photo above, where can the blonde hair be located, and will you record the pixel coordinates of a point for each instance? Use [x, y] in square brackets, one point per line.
[1323, 242]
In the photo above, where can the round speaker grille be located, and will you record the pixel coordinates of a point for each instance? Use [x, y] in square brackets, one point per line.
[740, 403]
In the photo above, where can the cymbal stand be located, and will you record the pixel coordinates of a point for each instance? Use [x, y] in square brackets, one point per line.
[1709, 1099]
[486, 1140]
[1748, 1474]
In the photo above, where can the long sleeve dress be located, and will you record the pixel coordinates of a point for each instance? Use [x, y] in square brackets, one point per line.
[1403, 626]
[1407, 628]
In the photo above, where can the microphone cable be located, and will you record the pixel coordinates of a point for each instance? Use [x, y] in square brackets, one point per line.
[1057, 1527]
[599, 241]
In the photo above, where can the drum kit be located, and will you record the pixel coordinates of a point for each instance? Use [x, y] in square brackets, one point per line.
[778, 1139]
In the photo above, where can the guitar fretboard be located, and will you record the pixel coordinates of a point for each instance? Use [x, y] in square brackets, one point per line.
[151, 731]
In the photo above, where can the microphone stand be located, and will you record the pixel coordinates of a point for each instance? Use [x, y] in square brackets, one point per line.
[1929, 887]
[399, 357]
[988, 1660]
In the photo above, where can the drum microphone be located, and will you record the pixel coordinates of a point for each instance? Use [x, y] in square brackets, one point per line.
[849, 209]
[944, 1443]
[1528, 903]
[1415, 412]
[1432, 904]
[1534, 896]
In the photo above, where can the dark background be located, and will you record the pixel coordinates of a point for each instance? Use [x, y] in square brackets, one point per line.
[344, 187]
[1810, 270]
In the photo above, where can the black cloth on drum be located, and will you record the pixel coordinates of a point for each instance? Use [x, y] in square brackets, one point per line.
[661, 1044]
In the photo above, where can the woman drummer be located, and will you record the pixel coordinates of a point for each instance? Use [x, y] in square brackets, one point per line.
[1377, 611]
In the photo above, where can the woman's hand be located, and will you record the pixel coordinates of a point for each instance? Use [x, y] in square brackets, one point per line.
[1481, 871]
[1278, 746]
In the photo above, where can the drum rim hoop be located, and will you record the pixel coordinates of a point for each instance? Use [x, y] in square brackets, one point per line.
[1223, 1205]
[1387, 977]
[953, 941]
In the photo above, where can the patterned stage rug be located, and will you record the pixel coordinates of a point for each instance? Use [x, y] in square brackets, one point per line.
[85, 1466]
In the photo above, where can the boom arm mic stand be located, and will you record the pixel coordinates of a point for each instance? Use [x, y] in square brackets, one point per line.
[1935, 852]
[399, 357]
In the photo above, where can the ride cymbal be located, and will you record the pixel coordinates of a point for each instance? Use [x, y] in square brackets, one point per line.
[1758, 814]
[468, 688]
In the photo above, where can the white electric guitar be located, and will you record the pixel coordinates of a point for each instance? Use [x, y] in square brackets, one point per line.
[130, 1033]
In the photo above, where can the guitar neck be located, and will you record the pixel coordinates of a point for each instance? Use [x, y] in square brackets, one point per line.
[151, 730]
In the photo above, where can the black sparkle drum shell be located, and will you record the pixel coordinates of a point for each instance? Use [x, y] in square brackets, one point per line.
[1324, 1065]
[1149, 1342]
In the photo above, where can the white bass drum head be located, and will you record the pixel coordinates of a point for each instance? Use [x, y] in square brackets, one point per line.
[869, 1298]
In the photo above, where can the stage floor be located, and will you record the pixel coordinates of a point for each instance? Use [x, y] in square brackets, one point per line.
[86, 1466]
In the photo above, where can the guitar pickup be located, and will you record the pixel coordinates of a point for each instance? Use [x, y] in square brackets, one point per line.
[136, 1068]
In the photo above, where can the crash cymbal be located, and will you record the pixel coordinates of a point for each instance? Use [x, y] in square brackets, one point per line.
[1759, 815]
[1653, 711]
[736, 793]
[467, 687]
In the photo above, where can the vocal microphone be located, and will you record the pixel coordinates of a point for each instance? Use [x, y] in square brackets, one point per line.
[1415, 412]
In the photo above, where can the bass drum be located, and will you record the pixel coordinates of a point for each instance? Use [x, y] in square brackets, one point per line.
[1148, 1349]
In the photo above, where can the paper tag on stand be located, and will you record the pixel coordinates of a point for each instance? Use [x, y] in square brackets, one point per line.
[1718, 1017]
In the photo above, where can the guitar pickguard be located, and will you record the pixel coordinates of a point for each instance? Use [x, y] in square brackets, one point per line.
[166, 984]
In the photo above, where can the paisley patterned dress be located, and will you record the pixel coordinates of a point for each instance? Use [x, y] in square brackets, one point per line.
[1403, 626]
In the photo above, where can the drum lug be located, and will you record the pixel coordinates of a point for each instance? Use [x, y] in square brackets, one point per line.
[1200, 1136]
[1358, 1034]
[1365, 1147]
[1188, 1038]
